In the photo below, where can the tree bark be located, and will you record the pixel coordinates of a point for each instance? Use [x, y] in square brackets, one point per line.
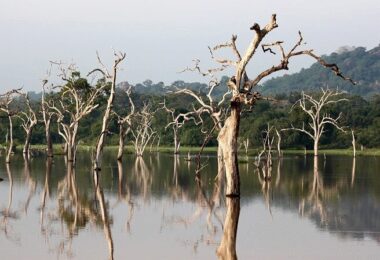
[227, 139]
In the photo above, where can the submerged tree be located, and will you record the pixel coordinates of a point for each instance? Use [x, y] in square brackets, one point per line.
[242, 91]
[313, 108]
[6, 100]
[29, 121]
[142, 130]
[125, 123]
[47, 115]
[177, 121]
[109, 78]
[77, 99]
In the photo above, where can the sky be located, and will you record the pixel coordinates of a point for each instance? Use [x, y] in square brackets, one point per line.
[162, 37]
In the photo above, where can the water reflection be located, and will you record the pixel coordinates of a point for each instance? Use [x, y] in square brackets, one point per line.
[158, 197]
[7, 213]
[227, 247]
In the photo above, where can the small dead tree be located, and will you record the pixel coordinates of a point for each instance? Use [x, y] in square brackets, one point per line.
[125, 123]
[207, 104]
[177, 121]
[110, 78]
[5, 105]
[313, 107]
[142, 132]
[77, 99]
[29, 121]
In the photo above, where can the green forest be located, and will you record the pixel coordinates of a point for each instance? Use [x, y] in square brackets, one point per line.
[360, 112]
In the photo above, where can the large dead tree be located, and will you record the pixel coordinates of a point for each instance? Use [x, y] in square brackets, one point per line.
[142, 130]
[125, 123]
[242, 90]
[77, 99]
[313, 107]
[5, 105]
[110, 78]
[29, 121]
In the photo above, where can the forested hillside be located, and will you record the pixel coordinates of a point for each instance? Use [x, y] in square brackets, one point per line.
[361, 65]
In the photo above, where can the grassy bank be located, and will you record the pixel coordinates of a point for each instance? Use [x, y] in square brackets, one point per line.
[184, 150]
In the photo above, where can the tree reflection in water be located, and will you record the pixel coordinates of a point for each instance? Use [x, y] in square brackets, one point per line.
[314, 203]
[124, 193]
[7, 212]
[227, 247]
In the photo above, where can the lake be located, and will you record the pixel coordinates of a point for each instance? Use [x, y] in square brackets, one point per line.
[152, 208]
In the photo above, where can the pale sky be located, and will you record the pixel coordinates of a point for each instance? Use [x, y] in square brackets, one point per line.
[161, 37]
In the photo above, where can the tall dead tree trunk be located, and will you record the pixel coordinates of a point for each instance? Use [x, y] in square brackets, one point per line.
[100, 143]
[47, 116]
[125, 125]
[227, 139]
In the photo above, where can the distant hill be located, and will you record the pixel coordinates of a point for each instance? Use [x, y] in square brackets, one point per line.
[361, 65]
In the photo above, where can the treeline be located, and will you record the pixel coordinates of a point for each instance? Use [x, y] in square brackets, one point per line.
[359, 114]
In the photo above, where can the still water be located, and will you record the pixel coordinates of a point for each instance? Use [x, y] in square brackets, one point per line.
[152, 208]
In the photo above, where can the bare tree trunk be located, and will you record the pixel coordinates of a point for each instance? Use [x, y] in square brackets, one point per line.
[25, 150]
[107, 113]
[278, 143]
[49, 143]
[176, 141]
[227, 139]
[10, 143]
[353, 142]
[122, 134]
[227, 247]
[316, 141]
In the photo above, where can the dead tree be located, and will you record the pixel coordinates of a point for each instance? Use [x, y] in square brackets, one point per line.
[119, 57]
[208, 105]
[242, 91]
[77, 99]
[125, 123]
[313, 108]
[142, 131]
[177, 121]
[29, 121]
[5, 106]
[47, 115]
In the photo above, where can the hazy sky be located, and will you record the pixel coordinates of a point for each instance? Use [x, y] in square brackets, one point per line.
[161, 37]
